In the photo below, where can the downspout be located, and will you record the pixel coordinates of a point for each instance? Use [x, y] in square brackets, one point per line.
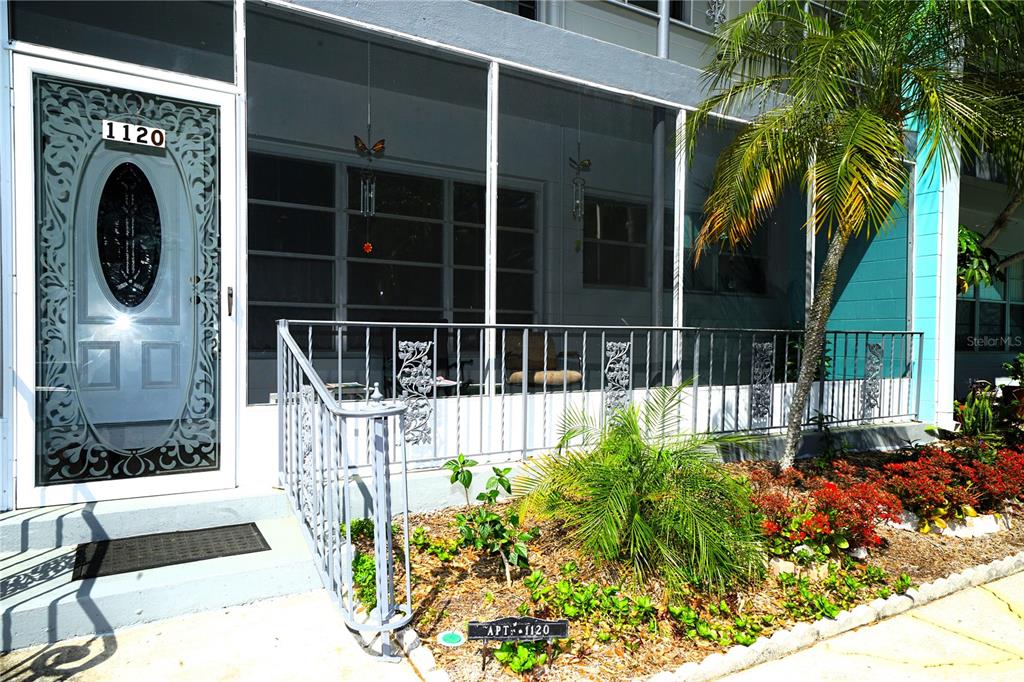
[658, 184]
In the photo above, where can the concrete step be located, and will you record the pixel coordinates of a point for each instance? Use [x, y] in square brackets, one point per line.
[73, 524]
[42, 604]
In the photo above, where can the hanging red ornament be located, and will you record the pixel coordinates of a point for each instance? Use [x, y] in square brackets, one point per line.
[367, 247]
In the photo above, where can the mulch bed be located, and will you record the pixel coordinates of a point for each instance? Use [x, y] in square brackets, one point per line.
[446, 595]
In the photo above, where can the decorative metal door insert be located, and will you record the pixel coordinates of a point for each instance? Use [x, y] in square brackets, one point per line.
[128, 282]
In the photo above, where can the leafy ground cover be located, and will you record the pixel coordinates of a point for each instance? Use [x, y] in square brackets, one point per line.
[625, 623]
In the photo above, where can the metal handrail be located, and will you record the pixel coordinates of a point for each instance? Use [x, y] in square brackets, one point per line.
[315, 469]
[580, 327]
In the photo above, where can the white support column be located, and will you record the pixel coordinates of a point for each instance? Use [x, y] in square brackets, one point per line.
[6, 271]
[678, 233]
[945, 309]
[491, 225]
[246, 470]
[810, 242]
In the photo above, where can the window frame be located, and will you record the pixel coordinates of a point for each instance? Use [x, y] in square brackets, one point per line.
[342, 163]
[620, 198]
[1010, 342]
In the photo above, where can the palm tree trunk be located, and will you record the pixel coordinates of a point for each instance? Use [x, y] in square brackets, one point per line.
[814, 344]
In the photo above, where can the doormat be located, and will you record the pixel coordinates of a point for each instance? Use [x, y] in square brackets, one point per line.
[124, 555]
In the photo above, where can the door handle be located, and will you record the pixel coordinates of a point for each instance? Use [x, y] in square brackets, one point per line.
[231, 300]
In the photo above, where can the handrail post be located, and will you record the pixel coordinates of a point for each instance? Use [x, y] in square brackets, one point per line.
[918, 369]
[282, 329]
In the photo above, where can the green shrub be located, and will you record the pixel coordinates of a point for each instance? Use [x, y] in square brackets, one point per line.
[977, 414]
[636, 491]
[521, 657]
[364, 577]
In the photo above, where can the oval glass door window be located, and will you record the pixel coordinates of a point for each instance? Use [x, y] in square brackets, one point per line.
[128, 235]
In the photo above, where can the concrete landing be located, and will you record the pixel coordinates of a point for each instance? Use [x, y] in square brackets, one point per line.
[42, 604]
[72, 524]
[299, 638]
[976, 634]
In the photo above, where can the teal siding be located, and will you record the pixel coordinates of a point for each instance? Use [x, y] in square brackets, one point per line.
[871, 291]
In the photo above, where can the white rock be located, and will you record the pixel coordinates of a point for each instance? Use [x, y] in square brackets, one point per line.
[686, 671]
[940, 588]
[739, 657]
[861, 615]
[437, 675]
[859, 553]
[663, 676]
[828, 627]
[804, 634]
[814, 573]
[908, 521]
[898, 603]
[714, 665]
[915, 595]
[408, 639]
[876, 604]
[972, 526]
[959, 581]
[777, 566]
[422, 659]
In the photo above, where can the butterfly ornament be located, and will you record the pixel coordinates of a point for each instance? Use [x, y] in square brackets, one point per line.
[376, 150]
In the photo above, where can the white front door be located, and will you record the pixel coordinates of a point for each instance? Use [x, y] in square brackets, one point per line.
[125, 266]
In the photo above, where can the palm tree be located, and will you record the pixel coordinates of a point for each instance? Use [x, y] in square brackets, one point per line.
[838, 86]
[634, 489]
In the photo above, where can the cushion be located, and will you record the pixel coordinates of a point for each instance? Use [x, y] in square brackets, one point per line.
[555, 377]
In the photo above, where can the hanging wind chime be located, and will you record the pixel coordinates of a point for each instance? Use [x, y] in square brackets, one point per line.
[367, 180]
[580, 167]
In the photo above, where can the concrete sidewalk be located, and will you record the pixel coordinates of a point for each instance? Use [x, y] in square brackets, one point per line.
[300, 637]
[976, 634]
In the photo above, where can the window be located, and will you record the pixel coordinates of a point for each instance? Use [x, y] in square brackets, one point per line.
[293, 221]
[516, 259]
[992, 318]
[395, 258]
[614, 243]
[396, 264]
[724, 270]
[680, 10]
[524, 8]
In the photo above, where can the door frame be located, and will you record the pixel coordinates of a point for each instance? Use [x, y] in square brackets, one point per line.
[27, 493]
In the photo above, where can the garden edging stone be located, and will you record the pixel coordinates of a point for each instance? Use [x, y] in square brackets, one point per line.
[802, 635]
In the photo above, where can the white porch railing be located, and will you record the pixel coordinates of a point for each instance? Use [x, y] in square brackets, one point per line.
[496, 392]
[318, 439]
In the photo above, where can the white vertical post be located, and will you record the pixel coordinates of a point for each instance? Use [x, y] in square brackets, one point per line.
[944, 348]
[679, 233]
[240, 357]
[491, 225]
[6, 271]
[810, 241]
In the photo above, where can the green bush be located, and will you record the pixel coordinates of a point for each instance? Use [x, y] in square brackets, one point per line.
[364, 578]
[634, 490]
[977, 414]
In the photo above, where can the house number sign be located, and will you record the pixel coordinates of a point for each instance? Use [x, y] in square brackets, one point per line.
[119, 131]
[518, 629]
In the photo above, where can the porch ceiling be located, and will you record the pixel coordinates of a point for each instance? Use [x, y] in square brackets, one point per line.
[502, 36]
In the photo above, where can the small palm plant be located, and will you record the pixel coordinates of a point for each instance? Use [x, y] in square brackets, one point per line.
[634, 490]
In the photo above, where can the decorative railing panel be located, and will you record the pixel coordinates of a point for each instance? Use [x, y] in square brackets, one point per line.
[499, 392]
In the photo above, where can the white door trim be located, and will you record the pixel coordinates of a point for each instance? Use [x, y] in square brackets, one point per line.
[24, 322]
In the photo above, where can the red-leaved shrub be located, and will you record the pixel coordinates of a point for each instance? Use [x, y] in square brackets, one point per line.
[839, 512]
[856, 508]
[934, 483]
[1003, 480]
